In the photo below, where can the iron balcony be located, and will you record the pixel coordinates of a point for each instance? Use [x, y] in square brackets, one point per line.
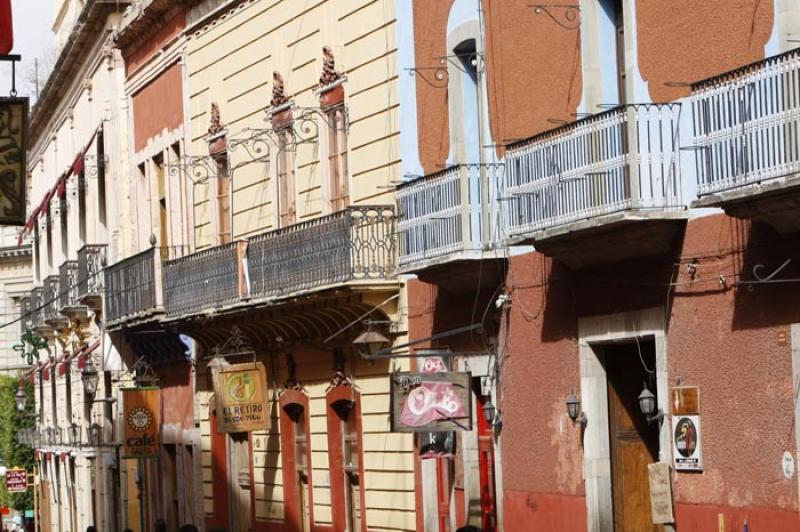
[598, 175]
[346, 247]
[131, 288]
[747, 141]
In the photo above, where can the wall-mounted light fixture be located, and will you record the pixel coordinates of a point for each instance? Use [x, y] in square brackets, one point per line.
[95, 434]
[647, 404]
[574, 410]
[90, 378]
[21, 399]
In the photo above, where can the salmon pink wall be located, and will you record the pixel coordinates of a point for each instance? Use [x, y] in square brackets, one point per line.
[158, 106]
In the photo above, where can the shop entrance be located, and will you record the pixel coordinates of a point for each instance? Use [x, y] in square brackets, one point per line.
[633, 442]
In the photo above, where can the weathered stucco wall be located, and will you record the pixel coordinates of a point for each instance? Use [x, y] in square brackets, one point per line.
[730, 342]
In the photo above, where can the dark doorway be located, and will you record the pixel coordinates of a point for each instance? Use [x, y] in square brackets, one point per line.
[633, 441]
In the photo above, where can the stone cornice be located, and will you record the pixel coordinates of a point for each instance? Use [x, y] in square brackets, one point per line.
[15, 251]
[84, 31]
[145, 18]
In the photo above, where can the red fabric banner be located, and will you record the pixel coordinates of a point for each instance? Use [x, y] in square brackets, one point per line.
[6, 27]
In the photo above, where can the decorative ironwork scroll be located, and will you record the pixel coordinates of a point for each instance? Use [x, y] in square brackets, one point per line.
[566, 16]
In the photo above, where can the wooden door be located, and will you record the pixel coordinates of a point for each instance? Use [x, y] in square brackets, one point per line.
[240, 482]
[485, 462]
[633, 442]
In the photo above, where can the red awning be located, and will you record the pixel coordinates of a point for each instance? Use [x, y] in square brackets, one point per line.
[60, 187]
[6, 27]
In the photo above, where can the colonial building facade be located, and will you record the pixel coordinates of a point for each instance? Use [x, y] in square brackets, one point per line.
[617, 200]
[584, 216]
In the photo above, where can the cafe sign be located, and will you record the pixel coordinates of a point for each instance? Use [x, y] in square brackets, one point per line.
[142, 422]
[240, 391]
[431, 402]
[13, 171]
[17, 480]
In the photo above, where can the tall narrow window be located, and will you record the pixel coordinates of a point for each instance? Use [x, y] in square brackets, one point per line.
[101, 177]
[163, 212]
[223, 199]
[63, 220]
[351, 446]
[337, 158]
[619, 27]
[285, 175]
[49, 228]
[345, 458]
[296, 453]
[82, 215]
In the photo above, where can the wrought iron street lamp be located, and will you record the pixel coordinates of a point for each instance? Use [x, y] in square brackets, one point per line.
[21, 398]
[647, 404]
[95, 433]
[90, 378]
[574, 410]
[370, 342]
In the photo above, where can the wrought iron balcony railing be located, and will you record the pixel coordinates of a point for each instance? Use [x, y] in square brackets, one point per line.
[747, 124]
[52, 291]
[131, 286]
[68, 284]
[350, 245]
[207, 279]
[439, 214]
[626, 158]
[37, 301]
[91, 260]
[25, 314]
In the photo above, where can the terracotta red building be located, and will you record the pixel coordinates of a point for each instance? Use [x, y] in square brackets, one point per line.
[601, 214]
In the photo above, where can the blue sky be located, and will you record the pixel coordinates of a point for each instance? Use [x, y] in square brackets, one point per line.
[33, 20]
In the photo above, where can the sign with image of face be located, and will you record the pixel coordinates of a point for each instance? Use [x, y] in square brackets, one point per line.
[13, 150]
[688, 449]
[240, 391]
[142, 409]
[423, 402]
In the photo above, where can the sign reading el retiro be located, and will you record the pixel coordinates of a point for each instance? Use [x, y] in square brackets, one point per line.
[142, 422]
[240, 392]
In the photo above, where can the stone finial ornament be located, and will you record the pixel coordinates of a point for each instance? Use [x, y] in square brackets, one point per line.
[278, 90]
[329, 72]
[216, 126]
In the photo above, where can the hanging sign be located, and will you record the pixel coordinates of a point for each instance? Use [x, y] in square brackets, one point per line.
[240, 391]
[142, 422]
[431, 402]
[688, 448]
[16, 480]
[13, 171]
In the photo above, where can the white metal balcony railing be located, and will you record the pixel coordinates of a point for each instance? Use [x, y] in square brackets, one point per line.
[439, 214]
[747, 124]
[626, 158]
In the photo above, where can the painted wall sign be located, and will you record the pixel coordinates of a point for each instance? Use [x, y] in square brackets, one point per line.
[13, 149]
[430, 402]
[660, 493]
[686, 400]
[241, 397]
[16, 480]
[688, 447]
[142, 409]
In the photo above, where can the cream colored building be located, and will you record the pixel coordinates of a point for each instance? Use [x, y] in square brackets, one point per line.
[77, 151]
[15, 286]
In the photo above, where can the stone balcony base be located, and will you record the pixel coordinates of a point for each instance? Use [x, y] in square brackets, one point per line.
[609, 238]
[775, 202]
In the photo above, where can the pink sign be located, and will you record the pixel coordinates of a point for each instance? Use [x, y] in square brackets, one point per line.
[431, 401]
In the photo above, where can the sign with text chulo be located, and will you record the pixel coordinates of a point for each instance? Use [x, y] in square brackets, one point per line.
[142, 409]
[240, 391]
[13, 149]
[425, 402]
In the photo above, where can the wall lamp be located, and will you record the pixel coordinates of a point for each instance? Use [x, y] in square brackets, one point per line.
[574, 410]
[21, 399]
[90, 378]
[647, 404]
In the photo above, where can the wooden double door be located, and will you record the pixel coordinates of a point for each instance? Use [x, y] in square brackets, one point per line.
[633, 441]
